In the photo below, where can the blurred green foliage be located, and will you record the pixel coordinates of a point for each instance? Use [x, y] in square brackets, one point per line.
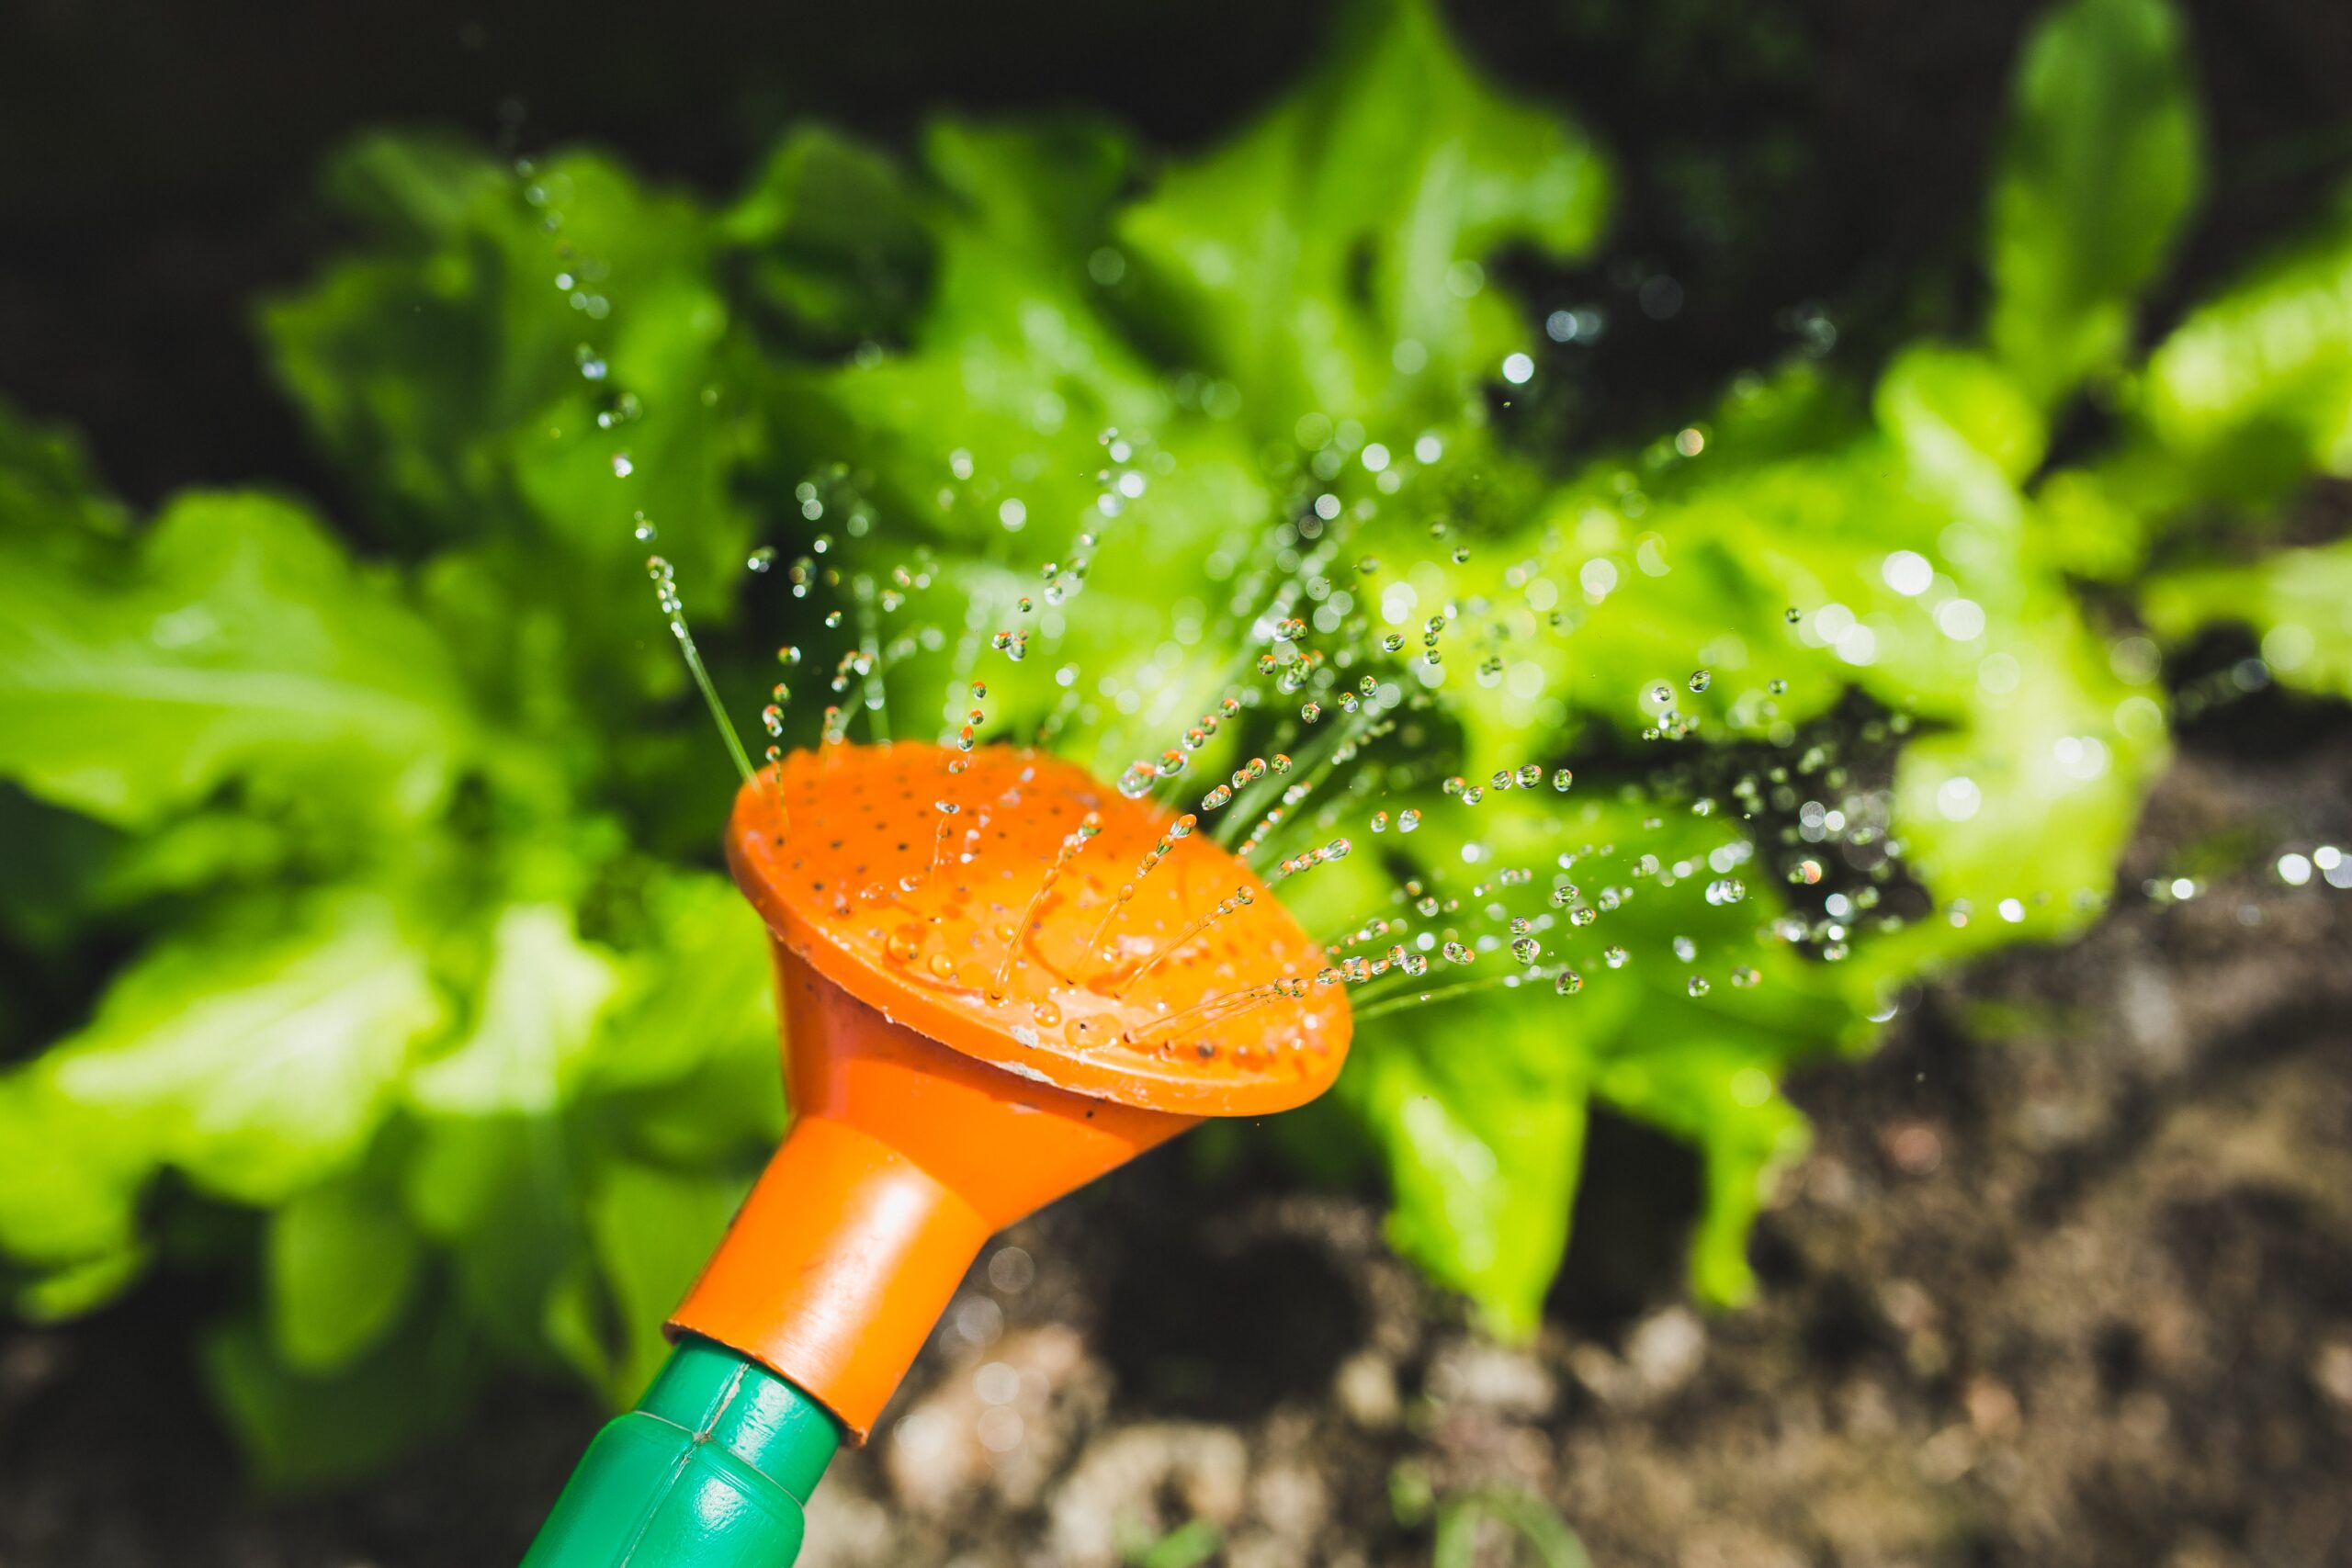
[438, 1030]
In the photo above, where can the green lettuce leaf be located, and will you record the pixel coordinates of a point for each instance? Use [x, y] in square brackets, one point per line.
[534, 1026]
[2298, 602]
[257, 1054]
[237, 643]
[340, 1262]
[653, 1230]
[1329, 260]
[50, 500]
[2100, 167]
[304, 1431]
[2253, 391]
[1483, 1144]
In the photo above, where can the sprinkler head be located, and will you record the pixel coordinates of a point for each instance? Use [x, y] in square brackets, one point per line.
[977, 1021]
[842, 852]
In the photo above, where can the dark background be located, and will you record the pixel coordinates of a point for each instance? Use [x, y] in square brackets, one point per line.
[157, 158]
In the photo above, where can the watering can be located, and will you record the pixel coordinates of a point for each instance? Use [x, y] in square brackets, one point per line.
[998, 979]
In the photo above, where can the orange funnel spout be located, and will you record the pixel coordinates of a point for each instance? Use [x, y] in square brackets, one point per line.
[903, 1159]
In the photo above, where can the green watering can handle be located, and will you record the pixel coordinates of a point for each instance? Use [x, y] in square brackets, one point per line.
[709, 1470]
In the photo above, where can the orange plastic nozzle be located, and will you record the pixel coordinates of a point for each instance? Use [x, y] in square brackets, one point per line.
[977, 1022]
[903, 1158]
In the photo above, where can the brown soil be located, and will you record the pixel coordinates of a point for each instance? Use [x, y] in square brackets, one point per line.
[2067, 1280]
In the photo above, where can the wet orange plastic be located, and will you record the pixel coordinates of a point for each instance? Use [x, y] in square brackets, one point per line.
[961, 1051]
[903, 1158]
[837, 849]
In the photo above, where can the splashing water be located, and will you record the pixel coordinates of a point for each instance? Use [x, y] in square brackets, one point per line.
[1360, 754]
[1327, 705]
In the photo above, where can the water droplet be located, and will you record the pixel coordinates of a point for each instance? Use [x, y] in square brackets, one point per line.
[1567, 983]
[1701, 679]
[1697, 986]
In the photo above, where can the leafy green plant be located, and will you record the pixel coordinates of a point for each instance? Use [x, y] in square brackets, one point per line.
[438, 1028]
[1526, 1517]
[1457, 1517]
[1187, 1546]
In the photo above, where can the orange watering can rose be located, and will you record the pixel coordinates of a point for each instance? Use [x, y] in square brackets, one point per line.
[1001, 910]
[1000, 979]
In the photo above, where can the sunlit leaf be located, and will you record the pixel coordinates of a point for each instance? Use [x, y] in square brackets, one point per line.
[535, 1024]
[2298, 602]
[258, 1055]
[240, 643]
[1330, 260]
[2101, 166]
[2253, 389]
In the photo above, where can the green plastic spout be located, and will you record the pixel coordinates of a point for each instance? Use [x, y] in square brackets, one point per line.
[709, 1470]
